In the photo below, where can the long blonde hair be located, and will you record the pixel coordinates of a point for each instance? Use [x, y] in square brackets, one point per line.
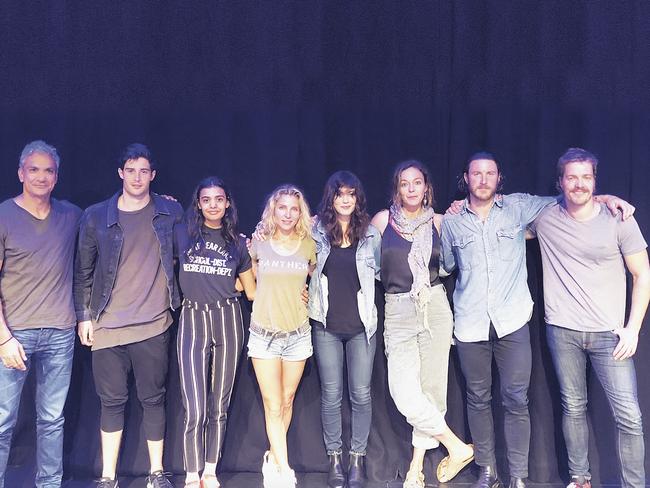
[303, 226]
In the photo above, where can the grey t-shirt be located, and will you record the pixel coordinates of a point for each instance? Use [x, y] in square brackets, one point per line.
[36, 276]
[584, 271]
[140, 295]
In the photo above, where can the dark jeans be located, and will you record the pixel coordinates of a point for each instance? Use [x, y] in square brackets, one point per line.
[513, 359]
[570, 350]
[49, 352]
[112, 366]
[331, 350]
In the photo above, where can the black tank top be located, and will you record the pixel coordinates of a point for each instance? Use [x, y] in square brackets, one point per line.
[396, 274]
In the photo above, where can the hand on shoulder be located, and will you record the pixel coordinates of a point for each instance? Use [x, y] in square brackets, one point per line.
[437, 221]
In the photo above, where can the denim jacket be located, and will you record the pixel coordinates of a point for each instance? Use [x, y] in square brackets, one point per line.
[100, 245]
[367, 258]
[491, 286]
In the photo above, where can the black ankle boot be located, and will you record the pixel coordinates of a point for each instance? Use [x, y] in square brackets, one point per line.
[487, 478]
[516, 483]
[357, 471]
[336, 475]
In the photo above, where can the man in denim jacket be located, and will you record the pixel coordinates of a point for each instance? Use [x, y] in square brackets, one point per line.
[124, 287]
[492, 307]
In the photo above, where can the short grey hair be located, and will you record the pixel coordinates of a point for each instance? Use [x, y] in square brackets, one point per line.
[39, 147]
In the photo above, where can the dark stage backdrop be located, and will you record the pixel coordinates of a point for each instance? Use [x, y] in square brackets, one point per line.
[261, 93]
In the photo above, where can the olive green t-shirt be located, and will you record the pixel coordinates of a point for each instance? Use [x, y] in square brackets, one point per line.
[281, 276]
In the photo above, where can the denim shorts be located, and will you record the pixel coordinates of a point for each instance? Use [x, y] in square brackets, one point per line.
[286, 346]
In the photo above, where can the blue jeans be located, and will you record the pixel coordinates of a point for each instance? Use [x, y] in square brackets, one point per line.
[331, 351]
[49, 352]
[570, 350]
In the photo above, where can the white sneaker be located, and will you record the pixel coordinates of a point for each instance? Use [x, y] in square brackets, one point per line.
[271, 472]
[288, 478]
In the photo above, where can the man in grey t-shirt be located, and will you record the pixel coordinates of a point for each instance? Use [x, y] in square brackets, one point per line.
[585, 250]
[37, 320]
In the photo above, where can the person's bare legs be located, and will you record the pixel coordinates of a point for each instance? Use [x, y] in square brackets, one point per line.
[457, 449]
[269, 378]
[155, 449]
[210, 469]
[417, 462]
[192, 477]
[291, 376]
[110, 451]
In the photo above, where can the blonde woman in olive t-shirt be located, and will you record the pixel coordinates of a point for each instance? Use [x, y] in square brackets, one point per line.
[280, 335]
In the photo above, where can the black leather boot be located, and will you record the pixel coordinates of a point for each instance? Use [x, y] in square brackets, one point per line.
[357, 471]
[488, 478]
[516, 483]
[336, 475]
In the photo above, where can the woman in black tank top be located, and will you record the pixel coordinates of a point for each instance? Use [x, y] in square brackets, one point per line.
[418, 322]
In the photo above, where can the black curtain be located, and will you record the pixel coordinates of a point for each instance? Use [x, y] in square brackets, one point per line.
[262, 93]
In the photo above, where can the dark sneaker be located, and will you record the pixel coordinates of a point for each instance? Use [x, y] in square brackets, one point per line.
[158, 480]
[107, 483]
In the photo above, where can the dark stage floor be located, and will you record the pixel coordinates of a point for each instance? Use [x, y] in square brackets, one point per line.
[22, 477]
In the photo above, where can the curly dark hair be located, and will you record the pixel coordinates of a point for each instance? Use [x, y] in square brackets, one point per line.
[195, 220]
[359, 220]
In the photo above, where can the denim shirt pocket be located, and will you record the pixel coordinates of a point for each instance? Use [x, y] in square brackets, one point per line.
[509, 244]
[464, 251]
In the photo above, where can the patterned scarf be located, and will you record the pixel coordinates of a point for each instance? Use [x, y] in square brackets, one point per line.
[419, 231]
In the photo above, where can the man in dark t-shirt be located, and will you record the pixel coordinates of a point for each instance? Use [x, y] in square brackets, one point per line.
[124, 288]
[37, 320]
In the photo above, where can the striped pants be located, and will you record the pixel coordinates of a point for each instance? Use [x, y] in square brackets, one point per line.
[210, 339]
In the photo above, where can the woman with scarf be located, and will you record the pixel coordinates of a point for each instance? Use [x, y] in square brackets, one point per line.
[418, 321]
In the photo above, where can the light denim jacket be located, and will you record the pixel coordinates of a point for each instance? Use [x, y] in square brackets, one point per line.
[368, 260]
[491, 259]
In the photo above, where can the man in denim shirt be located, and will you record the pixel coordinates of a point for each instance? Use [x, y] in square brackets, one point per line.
[492, 307]
[124, 286]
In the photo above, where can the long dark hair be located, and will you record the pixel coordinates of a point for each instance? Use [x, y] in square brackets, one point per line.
[359, 220]
[195, 219]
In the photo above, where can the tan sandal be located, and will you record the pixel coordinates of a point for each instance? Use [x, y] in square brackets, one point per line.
[414, 480]
[449, 468]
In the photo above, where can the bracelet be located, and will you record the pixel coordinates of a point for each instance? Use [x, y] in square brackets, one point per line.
[10, 337]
